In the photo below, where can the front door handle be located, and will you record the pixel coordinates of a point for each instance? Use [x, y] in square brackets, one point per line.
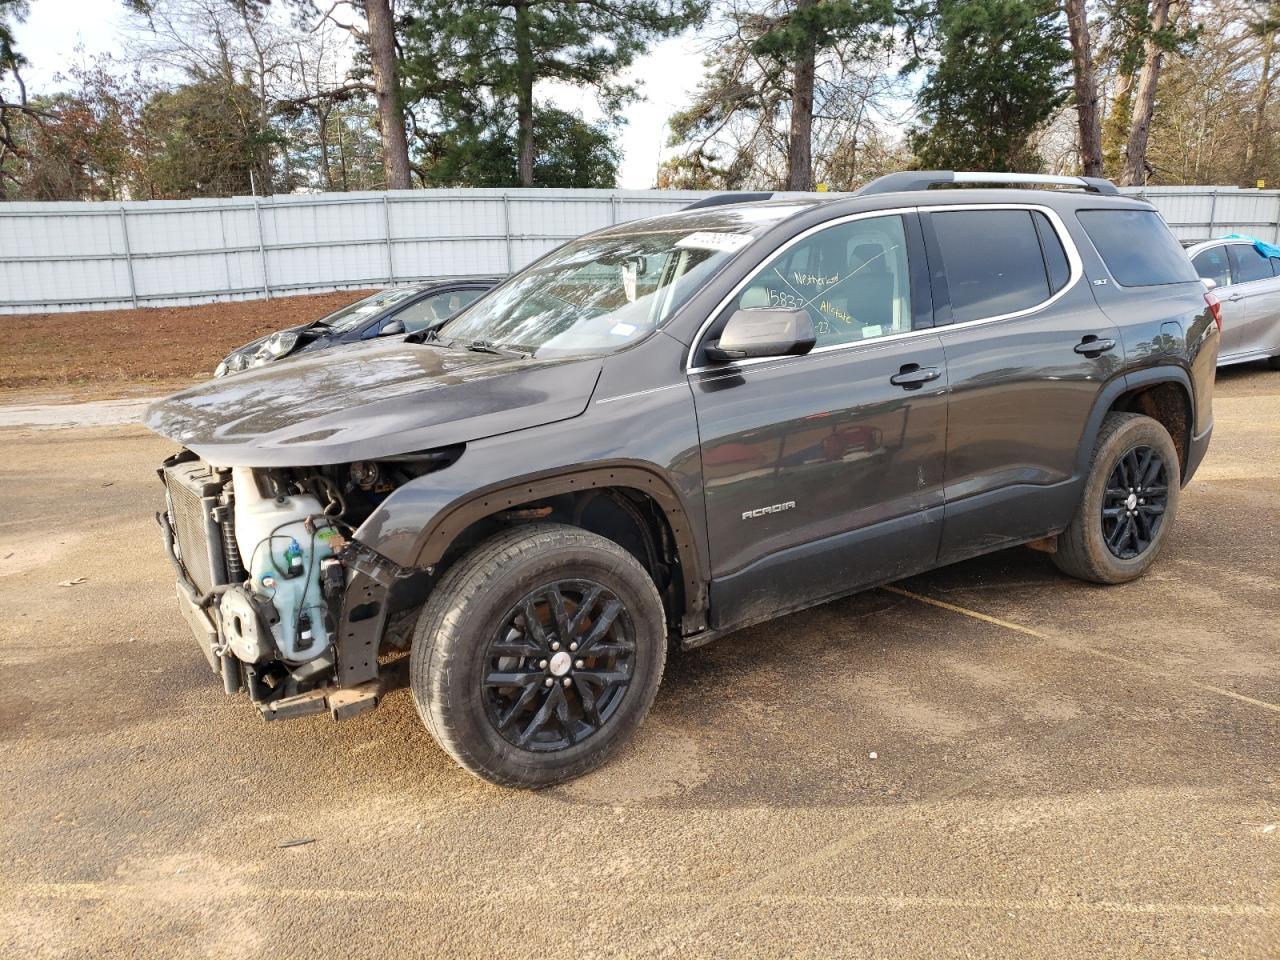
[912, 376]
[1092, 346]
[1235, 298]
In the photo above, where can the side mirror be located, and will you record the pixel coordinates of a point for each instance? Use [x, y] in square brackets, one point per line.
[1209, 283]
[392, 328]
[764, 332]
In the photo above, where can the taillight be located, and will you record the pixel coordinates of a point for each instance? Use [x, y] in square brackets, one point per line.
[1215, 307]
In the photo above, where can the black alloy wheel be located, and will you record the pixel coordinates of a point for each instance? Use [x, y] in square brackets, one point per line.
[559, 665]
[1134, 503]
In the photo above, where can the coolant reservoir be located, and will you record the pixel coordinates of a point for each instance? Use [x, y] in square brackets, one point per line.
[283, 562]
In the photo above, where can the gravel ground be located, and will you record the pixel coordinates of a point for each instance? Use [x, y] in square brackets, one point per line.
[1060, 770]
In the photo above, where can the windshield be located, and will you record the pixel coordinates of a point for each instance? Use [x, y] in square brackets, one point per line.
[354, 315]
[602, 292]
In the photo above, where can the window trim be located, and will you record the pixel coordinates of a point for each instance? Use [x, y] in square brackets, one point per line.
[1064, 236]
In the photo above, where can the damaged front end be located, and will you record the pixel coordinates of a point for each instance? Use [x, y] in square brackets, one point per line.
[282, 602]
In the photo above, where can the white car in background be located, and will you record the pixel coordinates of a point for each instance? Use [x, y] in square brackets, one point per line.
[1244, 273]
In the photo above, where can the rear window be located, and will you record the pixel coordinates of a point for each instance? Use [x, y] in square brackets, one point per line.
[993, 262]
[1137, 247]
[1250, 264]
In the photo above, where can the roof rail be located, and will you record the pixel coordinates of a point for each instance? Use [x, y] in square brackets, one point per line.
[720, 199]
[909, 180]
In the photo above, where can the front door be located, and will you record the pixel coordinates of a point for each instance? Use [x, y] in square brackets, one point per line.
[823, 473]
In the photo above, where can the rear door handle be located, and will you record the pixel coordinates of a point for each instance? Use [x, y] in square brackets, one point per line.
[912, 376]
[1092, 346]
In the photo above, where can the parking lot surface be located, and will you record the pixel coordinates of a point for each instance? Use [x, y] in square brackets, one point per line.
[988, 760]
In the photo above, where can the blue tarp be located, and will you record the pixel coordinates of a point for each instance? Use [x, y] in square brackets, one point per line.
[1264, 248]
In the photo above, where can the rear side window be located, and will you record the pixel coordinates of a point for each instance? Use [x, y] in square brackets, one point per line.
[1137, 247]
[1250, 264]
[993, 262]
[1212, 264]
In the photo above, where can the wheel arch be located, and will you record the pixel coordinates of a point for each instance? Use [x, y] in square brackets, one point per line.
[1163, 393]
[631, 505]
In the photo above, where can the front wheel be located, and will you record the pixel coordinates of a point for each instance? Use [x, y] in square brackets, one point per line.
[1129, 503]
[538, 654]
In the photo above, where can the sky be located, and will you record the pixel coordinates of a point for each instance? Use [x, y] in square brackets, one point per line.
[667, 76]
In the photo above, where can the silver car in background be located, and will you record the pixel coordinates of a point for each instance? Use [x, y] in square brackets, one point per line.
[1245, 275]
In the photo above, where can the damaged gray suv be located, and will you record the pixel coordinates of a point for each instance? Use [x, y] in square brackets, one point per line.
[674, 428]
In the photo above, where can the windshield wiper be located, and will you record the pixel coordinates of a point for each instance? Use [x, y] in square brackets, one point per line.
[483, 346]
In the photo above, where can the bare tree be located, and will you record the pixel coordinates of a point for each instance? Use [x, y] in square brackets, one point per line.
[379, 38]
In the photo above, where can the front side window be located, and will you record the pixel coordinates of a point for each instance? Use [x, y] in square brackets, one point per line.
[434, 309]
[851, 278]
[1212, 264]
[1250, 264]
[993, 262]
[1137, 247]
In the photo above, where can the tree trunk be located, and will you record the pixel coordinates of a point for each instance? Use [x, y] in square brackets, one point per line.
[1086, 86]
[1115, 128]
[800, 140]
[1257, 128]
[524, 93]
[1144, 101]
[382, 54]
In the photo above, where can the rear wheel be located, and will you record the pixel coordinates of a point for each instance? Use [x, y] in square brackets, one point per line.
[538, 654]
[1130, 499]
[1274, 363]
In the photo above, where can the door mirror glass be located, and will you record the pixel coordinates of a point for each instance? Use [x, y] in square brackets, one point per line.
[1209, 283]
[764, 332]
[392, 328]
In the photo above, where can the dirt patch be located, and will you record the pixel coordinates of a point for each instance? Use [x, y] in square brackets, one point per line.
[104, 353]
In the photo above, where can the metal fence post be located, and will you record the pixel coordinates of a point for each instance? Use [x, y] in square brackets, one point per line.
[1213, 210]
[613, 208]
[506, 229]
[1277, 224]
[262, 249]
[386, 219]
[128, 256]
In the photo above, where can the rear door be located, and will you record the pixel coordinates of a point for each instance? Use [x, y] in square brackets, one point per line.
[1258, 291]
[1027, 352]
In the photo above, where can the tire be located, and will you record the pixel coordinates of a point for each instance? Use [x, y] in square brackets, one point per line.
[475, 629]
[1274, 362]
[1087, 548]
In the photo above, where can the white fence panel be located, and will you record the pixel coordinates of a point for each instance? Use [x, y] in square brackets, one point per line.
[81, 256]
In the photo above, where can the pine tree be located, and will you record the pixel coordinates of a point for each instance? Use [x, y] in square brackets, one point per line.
[471, 61]
[1000, 75]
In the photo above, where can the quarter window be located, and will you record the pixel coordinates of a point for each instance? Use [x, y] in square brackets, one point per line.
[852, 279]
[1137, 247]
[1212, 264]
[993, 262]
[1250, 264]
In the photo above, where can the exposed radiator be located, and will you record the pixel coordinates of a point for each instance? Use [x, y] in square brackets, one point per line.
[193, 494]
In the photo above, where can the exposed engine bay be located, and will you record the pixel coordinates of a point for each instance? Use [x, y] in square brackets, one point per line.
[269, 576]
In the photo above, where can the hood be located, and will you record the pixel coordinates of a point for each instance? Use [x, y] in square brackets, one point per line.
[368, 401]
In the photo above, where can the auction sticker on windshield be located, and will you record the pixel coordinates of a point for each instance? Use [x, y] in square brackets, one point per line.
[720, 242]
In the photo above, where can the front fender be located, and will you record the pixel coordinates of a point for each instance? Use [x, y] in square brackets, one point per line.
[648, 443]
